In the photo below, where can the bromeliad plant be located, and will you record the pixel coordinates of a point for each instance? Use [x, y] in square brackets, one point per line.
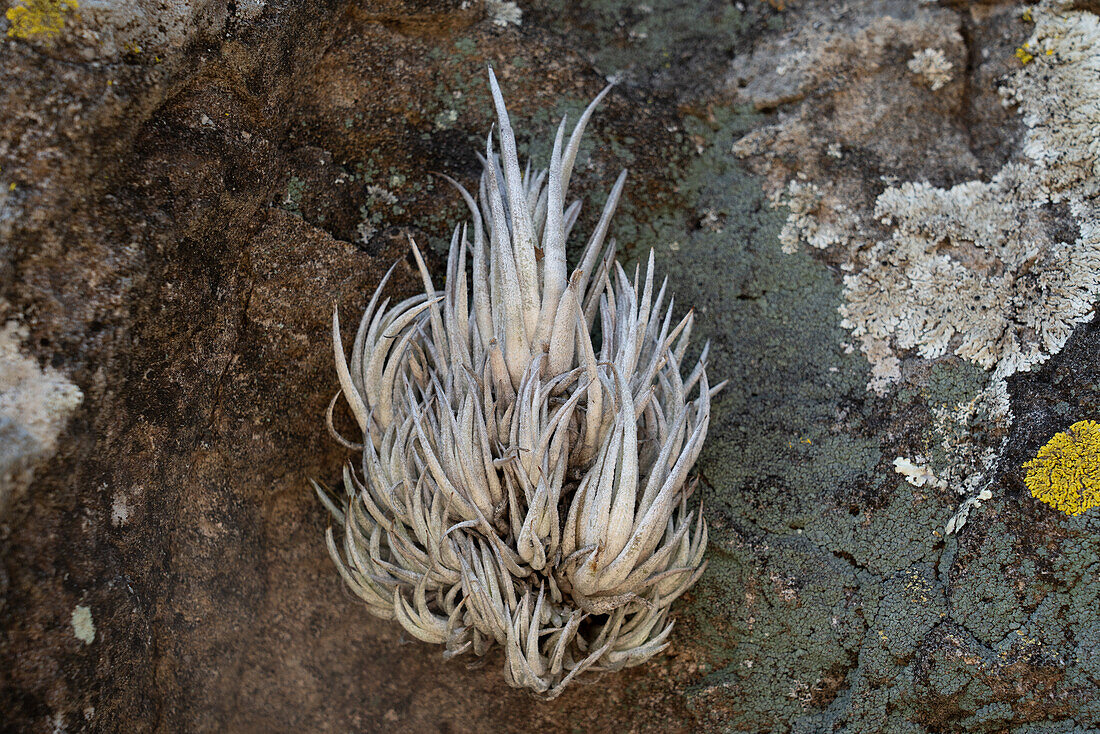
[520, 485]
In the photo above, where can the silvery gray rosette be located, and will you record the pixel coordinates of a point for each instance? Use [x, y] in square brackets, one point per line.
[519, 485]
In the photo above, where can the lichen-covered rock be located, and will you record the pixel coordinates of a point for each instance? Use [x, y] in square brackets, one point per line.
[176, 221]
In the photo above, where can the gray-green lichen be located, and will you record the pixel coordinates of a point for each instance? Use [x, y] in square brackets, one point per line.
[834, 602]
[778, 615]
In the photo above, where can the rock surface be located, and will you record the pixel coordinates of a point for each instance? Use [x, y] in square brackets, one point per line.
[187, 187]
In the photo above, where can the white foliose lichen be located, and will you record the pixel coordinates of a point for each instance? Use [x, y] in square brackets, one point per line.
[973, 270]
[996, 271]
[809, 219]
[1058, 93]
[504, 12]
[932, 64]
[917, 472]
[976, 268]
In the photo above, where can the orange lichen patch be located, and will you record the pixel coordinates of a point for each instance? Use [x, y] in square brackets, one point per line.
[1066, 472]
[30, 18]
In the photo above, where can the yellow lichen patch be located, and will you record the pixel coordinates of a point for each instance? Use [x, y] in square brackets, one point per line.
[1066, 472]
[1023, 55]
[30, 18]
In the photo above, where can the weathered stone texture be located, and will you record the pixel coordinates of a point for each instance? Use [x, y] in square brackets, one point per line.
[186, 189]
